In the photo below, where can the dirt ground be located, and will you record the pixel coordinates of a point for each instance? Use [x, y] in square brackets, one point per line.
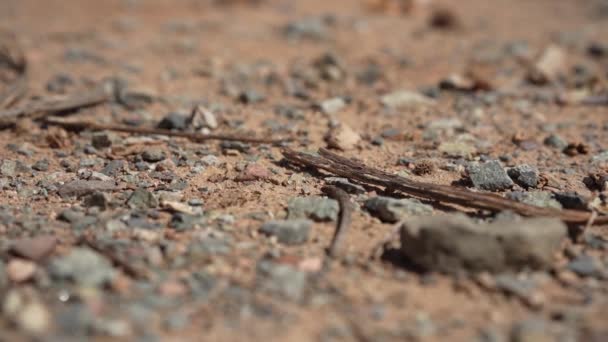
[488, 89]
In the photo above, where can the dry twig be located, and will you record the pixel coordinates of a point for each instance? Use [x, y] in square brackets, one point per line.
[353, 170]
[39, 109]
[344, 218]
[80, 125]
[14, 59]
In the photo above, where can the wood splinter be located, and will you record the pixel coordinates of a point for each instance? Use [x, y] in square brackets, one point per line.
[197, 137]
[353, 170]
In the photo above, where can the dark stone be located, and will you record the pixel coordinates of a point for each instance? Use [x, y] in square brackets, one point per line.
[524, 175]
[571, 200]
[153, 155]
[174, 121]
[101, 140]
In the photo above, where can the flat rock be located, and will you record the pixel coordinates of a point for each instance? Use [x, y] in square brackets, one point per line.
[450, 243]
[36, 248]
[393, 210]
[489, 176]
[314, 207]
[290, 232]
[81, 187]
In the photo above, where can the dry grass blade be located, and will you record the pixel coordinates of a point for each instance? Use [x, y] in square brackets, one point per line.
[344, 167]
[344, 218]
[197, 137]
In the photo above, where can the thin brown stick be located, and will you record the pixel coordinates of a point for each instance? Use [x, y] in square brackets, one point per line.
[128, 268]
[344, 218]
[344, 167]
[39, 109]
[80, 125]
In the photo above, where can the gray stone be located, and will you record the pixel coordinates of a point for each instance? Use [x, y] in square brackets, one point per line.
[3, 276]
[393, 210]
[142, 199]
[41, 165]
[531, 330]
[345, 184]
[524, 175]
[80, 188]
[542, 199]
[313, 207]
[587, 266]
[450, 243]
[84, 267]
[513, 285]
[290, 232]
[556, 142]
[153, 155]
[8, 168]
[489, 176]
[113, 168]
[281, 279]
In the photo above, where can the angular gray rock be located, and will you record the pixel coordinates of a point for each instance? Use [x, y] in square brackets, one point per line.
[314, 207]
[489, 176]
[450, 243]
[392, 210]
[524, 175]
[142, 199]
[290, 232]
